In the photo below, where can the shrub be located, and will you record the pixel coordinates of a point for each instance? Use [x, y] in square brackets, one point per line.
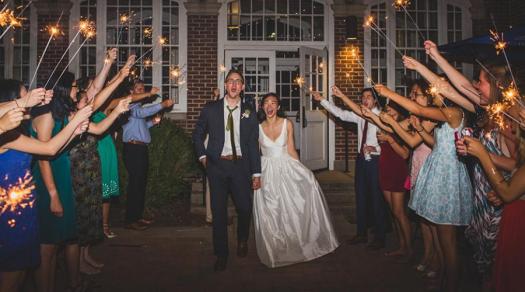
[172, 163]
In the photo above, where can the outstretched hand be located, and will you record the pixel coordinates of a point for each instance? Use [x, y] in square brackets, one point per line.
[337, 92]
[431, 49]
[256, 183]
[410, 63]
[494, 199]
[11, 119]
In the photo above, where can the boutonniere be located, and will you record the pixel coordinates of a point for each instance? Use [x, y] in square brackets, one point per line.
[246, 114]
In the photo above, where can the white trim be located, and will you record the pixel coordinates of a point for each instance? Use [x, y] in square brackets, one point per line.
[223, 45]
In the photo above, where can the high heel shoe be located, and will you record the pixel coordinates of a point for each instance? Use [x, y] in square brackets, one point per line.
[421, 268]
[108, 232]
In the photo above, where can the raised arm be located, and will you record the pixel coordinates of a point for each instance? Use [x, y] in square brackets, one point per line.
[424, 129]
[457, 78]
[98, 83]
[412, 140]
[350, 103]
[57, 142]
[344, 115]
[507, 190]
[450, 115]
[443, 87]
[102, 126]
[372, 117]
[104, 94]
[291, 143]
[11, 120]
[134, 98]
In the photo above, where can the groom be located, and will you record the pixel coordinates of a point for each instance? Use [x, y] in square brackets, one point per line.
[232, 161]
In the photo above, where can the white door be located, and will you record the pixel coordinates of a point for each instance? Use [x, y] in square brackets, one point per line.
[314, 121]
[258, 68]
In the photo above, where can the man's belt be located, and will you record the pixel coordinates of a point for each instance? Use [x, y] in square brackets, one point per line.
[230, 157]
[135, 142]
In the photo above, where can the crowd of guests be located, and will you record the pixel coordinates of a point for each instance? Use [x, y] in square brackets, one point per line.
[59, 170]
[459, 185]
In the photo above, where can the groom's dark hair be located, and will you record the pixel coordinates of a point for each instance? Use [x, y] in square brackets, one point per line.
[234, 71]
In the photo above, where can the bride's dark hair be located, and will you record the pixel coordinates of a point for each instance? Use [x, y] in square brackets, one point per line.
[261, 114]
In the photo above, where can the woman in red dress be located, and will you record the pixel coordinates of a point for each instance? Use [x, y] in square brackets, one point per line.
[393, 171]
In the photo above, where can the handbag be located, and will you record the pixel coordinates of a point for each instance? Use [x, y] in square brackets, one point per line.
[407, 185]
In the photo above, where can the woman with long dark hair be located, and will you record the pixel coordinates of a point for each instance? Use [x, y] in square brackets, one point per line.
[19, 243]
[292, 221]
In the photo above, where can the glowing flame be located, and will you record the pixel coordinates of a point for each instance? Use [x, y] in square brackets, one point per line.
[401, 4]
[148, 32]
[87, 28]
[17, 196]
[499, 42]
[369, 20]
[496, 112]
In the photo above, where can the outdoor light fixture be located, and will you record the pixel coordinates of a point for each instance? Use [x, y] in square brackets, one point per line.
[351, 27]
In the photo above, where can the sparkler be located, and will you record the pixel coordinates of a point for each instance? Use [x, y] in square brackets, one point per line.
[53, 32]
[17, 196]
[162, 41]
[88, 32]
[83, 27]
[14, 21]
[354, 53]
[124, 19]
[369, 22]
[500, 45]
[434, 90]
[402, 5]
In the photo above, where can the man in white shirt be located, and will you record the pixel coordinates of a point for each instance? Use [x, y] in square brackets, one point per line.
[367, 164]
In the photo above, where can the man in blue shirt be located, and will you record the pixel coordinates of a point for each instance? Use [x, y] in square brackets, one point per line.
[136, 138]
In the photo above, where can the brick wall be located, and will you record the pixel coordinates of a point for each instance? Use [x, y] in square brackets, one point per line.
[56, 47]
[202, 64]
[349, 78]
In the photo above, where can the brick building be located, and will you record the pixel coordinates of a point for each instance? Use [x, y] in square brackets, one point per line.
[273, 41]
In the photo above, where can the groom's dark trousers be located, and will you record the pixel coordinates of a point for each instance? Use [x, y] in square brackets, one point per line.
[225, 177]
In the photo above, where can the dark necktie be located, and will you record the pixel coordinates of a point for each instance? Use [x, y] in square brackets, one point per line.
[229, 127]
[363, 138]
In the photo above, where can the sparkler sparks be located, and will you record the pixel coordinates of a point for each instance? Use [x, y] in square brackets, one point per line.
[369, 22]
[18, 196]
[401, 4]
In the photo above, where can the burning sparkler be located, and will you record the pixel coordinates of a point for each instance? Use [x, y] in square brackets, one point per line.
[18, 196]
[402, 5]
[369, 22]
[7, 16]
[54, 31]
[88, 31]
[354, 53]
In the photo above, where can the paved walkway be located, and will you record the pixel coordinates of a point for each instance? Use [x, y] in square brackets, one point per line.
[180, 259]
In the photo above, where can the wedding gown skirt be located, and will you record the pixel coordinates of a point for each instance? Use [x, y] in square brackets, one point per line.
[291, 217]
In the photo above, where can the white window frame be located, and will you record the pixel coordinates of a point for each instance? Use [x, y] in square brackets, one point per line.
[181, 106]
[224, 44]
[466, 19]
[9, 47]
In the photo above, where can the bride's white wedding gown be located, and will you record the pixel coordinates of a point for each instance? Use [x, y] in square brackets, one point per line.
[291, 217]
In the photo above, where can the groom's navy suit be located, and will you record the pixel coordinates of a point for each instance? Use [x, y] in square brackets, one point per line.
[228, 176]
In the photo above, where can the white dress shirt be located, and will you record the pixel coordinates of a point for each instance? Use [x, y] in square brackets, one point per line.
[227, 148]
[349, 116]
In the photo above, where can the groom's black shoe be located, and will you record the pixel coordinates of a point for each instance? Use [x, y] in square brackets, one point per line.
[220, 264]
[242, 249]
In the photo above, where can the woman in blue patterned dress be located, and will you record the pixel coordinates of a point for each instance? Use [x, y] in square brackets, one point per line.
[483, 228]
[443, 194]
[19, 240]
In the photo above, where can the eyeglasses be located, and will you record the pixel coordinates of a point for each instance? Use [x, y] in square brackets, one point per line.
[235, 81]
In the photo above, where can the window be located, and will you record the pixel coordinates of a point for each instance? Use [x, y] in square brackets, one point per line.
[385, 62]
[88, 52]
[15, 49]
[131, 28]
[286, 87]
[275, 20]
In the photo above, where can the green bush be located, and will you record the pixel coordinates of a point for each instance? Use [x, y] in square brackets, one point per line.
[172, 163]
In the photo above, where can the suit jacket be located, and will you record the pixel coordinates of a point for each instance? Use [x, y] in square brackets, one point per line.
[211, 122]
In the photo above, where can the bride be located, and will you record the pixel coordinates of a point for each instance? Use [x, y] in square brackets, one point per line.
[291, 218]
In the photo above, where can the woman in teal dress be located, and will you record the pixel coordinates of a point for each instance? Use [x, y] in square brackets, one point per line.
[110, 180]
[19, 240]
